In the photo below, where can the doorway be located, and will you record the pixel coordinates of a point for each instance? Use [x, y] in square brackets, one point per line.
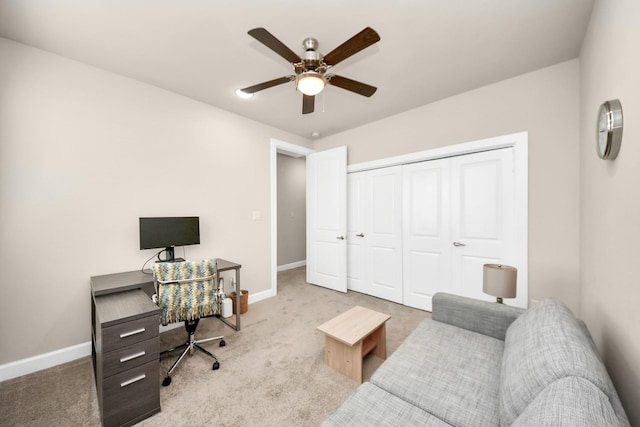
[291, 211]
[293, 155]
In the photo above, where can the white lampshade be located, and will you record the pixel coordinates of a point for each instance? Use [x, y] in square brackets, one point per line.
[311, 83]
[499, 280]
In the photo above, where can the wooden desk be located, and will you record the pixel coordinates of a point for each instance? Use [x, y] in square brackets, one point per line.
[352, 335]
[126, 344]
[120, 282]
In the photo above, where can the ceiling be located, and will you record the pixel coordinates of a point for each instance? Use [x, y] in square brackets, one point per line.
[429, 50]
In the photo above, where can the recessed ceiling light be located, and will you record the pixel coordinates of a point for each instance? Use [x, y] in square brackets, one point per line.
[315, 135]
[243, 95]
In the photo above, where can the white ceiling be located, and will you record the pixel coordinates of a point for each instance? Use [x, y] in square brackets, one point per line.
[429, 50]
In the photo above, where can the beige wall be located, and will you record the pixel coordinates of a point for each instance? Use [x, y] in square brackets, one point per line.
[292, 209]
[544, 103]
[610, 201]
[83, 154]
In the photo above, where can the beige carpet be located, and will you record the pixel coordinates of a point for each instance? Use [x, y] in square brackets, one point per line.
[272, 372]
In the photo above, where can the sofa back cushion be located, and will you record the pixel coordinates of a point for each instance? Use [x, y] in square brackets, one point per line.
[543, 345]
[570, 401]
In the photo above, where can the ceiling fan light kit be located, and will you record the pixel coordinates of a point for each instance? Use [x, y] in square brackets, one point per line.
[243, 95]
[311, 69]
[310, 83]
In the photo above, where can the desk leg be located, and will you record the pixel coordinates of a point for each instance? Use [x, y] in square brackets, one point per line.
[238, 297]
[235, 326]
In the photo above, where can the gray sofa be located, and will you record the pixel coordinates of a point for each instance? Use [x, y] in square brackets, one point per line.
[479, 363]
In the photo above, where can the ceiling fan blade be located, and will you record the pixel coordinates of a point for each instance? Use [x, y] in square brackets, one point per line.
[355, 44]
[270, 41]
[267, 85]
[308, 103]
[352, 85]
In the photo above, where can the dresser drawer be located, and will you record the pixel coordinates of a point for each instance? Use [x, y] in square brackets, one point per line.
[127, 333]
[131, 395]
[128, 357]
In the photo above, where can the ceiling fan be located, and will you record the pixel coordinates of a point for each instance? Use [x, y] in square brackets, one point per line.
[311, 69]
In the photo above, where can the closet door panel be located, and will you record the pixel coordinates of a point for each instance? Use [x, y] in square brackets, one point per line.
[482, 207]
[423, 275]
[478, 202]
[357, 192]
[375, 233]
[385, 235]
[426, 233]
[384, 271]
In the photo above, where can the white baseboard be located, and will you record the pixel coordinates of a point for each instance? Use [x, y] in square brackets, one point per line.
[292, 265]
[44, 361]
[48, 360]
[261, 295]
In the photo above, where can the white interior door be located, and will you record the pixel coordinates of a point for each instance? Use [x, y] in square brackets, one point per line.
[426, 231]
[483, 218]
[374, 236]
[327, 218]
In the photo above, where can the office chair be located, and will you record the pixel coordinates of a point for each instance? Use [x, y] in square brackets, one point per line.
[187, 291]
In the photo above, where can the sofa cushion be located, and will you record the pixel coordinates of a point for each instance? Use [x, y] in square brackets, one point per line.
[543, 345]
[448, 372]
[569, 401]
[484, 317]
[372, 406]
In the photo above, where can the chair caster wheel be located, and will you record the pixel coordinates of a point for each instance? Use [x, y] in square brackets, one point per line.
[215, 367]
[166, 381]
[222, 343]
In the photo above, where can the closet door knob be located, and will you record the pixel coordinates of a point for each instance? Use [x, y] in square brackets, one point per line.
[340, 237]
[360, 235]
[456, 244]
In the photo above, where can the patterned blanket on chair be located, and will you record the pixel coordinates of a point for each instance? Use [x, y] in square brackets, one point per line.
[189, 300]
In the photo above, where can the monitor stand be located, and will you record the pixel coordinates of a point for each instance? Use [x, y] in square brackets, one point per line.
[172, 260]
[169, 256]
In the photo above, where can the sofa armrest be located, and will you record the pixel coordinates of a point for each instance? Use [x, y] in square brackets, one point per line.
[487, 318]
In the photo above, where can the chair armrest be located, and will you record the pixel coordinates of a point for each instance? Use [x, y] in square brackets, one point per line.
[487, 318]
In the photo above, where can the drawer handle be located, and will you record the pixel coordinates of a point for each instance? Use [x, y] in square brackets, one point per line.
[133, 356]
[128, 334]
[133, 380]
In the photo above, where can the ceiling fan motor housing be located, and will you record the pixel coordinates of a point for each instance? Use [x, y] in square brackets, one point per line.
[311, 60]
[310, 44]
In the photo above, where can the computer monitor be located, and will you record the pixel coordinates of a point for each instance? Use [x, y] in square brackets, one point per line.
[168, 232]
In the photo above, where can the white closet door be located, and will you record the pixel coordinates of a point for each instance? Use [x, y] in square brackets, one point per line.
[426, 231]
[375, 233]
[483, 217]
[459, 213]
[385, 233]
[358, 187]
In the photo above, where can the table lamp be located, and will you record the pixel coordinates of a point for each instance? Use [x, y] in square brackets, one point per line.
[500, 281]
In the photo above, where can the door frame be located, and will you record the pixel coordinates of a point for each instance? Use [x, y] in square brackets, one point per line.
[278, 147]
[520, 144]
